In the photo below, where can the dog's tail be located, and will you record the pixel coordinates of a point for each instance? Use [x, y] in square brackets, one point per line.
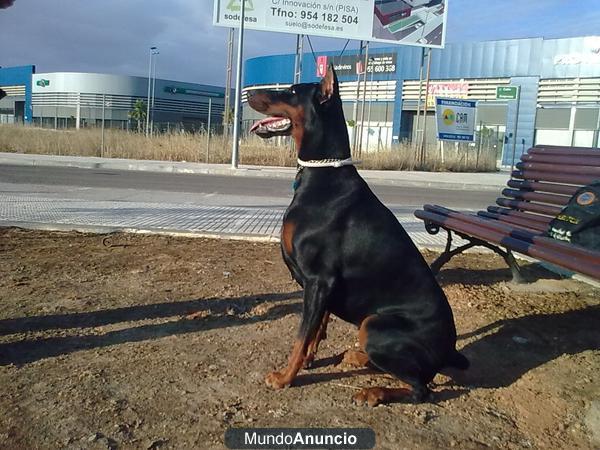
[458, 361]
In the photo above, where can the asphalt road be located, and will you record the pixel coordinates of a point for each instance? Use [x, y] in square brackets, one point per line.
[205, 189]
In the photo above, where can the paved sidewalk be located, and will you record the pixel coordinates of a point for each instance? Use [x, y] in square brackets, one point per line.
[59, 211]
[51, 212]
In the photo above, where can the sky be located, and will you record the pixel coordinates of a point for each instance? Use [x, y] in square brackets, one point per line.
[114, 36]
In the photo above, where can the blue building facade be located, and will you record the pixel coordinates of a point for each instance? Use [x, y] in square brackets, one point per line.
[559, 82]
[17, 83]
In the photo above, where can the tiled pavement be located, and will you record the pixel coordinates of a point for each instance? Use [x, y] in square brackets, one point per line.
[49, 212]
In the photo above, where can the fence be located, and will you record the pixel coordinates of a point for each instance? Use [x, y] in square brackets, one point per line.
[173, 143]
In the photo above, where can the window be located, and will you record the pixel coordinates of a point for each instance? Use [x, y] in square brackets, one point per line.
[553, 118]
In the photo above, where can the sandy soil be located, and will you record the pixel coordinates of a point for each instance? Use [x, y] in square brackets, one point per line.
[161, 342]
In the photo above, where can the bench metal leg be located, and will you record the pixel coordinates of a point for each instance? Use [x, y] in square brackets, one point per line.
[510, 260]
[517, 276]
[448, 253]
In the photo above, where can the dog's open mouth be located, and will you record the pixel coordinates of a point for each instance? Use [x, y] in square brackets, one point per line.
[272, 126]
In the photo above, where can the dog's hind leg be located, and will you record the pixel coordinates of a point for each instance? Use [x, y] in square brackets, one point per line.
[313, 346]
[316, 294]
[385, 339]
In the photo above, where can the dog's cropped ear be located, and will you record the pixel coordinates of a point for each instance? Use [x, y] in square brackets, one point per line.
[2, 94]
[329, 84]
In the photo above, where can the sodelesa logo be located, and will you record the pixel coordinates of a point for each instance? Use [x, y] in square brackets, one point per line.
[236, 5]
[43, 83]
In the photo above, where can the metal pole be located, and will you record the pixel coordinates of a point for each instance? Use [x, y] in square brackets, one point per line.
[364, 101]
[238, 91]
[355, 109]
[298, 60]
[479, 144]
[387, 109]
[78, 112]
[208, 126]
[153, 90]
[514, 150]
[370, 105]
[149, 90]
[227, 101]
[596, 140]
[424, 139]
[103, 108]
[496, 141]
[416, 137]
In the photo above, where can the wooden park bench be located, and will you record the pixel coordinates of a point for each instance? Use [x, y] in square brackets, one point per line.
[542, 184]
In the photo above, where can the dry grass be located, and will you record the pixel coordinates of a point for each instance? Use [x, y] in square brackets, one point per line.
[189, 147]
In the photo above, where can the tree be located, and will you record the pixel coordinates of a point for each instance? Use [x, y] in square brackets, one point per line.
[138, 113]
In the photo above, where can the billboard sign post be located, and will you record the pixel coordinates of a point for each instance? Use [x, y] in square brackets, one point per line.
[455, 119]
[237, 117]
[406, 22]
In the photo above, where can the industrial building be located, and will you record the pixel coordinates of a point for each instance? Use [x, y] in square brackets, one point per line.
[559, 82]
[79, 100]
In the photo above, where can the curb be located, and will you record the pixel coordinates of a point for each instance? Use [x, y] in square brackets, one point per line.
[104, 230]
[80, 162]
[100, 229]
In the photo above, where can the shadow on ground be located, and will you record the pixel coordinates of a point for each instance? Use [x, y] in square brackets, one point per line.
[221, 313]
[524, 343]
[468, 276]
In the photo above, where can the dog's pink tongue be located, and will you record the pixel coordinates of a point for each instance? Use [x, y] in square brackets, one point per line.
[265, 122]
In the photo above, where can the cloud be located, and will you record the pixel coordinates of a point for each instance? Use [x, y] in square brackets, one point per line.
[114, 36]
[474, 20]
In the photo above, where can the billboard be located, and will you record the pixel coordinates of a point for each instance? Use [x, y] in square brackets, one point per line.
[406, 22]
[455, 119]
[379, 63]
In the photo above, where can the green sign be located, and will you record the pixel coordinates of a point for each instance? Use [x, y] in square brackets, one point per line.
[188, 91]
[506, 92]
[43, 83]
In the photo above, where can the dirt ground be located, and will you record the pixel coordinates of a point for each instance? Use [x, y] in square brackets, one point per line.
[161, 342]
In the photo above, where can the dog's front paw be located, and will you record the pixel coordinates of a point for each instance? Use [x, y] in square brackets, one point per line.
[277, 380]
[370, 396]
[355, 358]
[308, 361]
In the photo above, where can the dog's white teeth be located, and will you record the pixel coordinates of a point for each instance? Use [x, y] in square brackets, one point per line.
[278, 125]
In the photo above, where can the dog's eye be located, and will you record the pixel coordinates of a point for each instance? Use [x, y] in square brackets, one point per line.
[293, 90]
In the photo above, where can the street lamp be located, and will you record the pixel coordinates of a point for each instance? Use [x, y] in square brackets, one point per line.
[153, 51]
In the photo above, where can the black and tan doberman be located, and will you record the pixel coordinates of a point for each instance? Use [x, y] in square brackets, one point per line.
[351, 255]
